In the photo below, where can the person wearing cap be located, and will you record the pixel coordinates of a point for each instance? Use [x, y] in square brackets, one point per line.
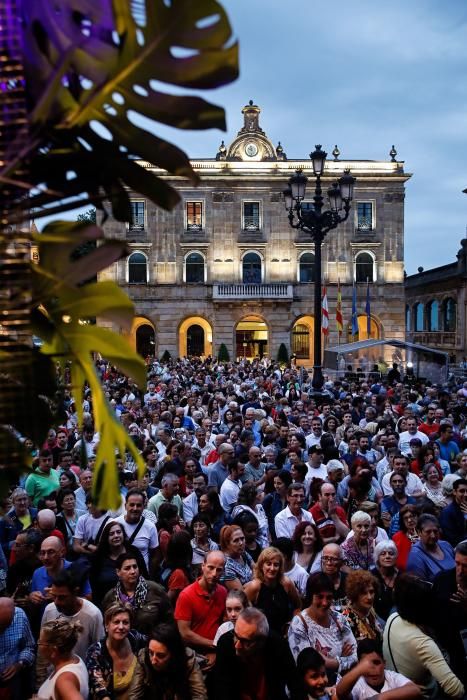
[218, 472]
[316, 468]
[335, 472]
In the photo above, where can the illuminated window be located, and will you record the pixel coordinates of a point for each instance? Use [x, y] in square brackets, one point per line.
[194, 216]
[432, 316]
[301, 341]
[419, 313]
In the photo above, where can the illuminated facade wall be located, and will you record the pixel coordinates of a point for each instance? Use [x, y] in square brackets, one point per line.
[227, 252]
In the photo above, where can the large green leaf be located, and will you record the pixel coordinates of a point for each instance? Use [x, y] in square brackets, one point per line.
[92, 62]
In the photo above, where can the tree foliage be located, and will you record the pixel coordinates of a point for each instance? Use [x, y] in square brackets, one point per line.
[89, 68]
[282, 354]
[223, 355]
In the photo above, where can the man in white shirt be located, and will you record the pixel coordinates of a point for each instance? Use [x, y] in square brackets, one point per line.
[287, 520]
[191, 502]
[66, 603]
[141, 533]
[314, 438]
[315, 466]
[89, 528]
[407, 435]
[414, 486]
[231, 485]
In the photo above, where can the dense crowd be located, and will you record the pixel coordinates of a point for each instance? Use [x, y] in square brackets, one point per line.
[280, 544]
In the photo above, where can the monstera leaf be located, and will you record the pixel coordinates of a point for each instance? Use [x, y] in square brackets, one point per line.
[61, 319]
[91, 68]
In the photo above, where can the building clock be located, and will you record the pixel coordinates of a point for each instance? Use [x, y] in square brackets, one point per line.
[251, 149]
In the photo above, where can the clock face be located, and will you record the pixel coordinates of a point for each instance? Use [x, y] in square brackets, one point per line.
[251, 149]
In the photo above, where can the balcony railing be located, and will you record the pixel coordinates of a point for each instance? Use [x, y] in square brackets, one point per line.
[435, 338]
[194, 226]
[227, 292]
[251, 223]
[365, 223]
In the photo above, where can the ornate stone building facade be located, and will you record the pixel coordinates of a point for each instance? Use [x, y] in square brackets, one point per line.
[225, 267]
[436, 303]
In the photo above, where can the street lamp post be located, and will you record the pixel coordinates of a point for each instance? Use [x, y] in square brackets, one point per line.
[317, 223]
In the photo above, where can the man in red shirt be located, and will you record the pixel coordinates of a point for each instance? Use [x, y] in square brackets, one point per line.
[201, 606]
[328, 516]
[429, 425]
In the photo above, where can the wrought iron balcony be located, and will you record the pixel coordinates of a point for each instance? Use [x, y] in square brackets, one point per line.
[365, 223]
[274, 291]
[251, 223]
[194, 226]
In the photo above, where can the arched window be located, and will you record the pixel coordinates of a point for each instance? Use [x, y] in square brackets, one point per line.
[137, 268]
[432, 315]
[364, 267]
[408, 318]
[194, 268]
[145, 340]
[418, 316]
[251, 268]
[449, 315]
[301, 341]
[306, 265]
[195, 340]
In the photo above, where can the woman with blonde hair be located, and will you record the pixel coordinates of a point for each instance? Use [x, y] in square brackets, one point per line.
[69, 678]
[271, 591]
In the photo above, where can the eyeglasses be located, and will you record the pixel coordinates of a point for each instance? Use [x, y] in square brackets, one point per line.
[331, 560]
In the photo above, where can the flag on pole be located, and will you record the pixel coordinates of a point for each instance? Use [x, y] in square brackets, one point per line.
[339, 318]
[325, 313]
[368, 309]
[354, 311]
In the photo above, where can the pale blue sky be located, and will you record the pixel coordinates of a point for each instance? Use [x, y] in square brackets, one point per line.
[364, 75]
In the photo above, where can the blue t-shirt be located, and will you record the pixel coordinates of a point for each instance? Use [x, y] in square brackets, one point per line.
[41, 580]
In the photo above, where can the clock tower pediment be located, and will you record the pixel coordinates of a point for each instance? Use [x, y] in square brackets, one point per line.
[251, 142]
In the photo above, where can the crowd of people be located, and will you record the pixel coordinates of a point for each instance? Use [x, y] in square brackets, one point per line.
[280, 543]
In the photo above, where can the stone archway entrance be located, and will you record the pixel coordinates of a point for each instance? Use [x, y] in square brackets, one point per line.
[195, 337]
[251, 338]
[302, 340]
[143, 337]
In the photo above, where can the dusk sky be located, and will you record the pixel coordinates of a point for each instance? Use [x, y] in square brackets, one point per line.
[364, 75]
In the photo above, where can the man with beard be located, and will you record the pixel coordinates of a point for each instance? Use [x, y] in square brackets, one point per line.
[390, 505]
[254, 662]
[414, 486]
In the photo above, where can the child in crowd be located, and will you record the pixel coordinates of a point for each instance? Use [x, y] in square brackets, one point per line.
[312, 671]
[369, 678]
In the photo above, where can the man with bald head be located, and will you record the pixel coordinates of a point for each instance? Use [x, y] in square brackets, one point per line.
[218, 472]
[16, 649]
[52, 556]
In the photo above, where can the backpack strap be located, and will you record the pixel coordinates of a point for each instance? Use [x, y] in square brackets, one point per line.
[136, 530]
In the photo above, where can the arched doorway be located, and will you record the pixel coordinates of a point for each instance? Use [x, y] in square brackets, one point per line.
[145, 340]
[362, 330]
[195, 337]
[251, 338]
[195, 341]
[301, 344]
[143, 337]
